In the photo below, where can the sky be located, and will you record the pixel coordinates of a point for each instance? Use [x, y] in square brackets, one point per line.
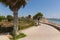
[49, 8]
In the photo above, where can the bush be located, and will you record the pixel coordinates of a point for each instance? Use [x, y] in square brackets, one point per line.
[9, 18]
[21, 35]
[25, 24]
[6, 29]
[2, 18]
[6, 26]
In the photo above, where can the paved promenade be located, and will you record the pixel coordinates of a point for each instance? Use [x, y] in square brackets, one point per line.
[3, 37]
[41, 32]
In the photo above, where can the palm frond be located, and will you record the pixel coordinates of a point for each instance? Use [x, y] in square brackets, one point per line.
[4, 2]
[13, 4]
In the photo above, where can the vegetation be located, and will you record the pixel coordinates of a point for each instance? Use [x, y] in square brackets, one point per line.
[6, 26]
[38, 16]
[2, 18]
[9, 18]
[21, 35]
[25, 23]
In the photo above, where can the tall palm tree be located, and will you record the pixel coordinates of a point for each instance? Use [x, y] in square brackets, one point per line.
[14, 6]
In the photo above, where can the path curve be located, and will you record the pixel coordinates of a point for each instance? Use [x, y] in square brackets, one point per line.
[41, 32]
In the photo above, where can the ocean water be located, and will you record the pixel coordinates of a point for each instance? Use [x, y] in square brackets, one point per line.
[54, 20]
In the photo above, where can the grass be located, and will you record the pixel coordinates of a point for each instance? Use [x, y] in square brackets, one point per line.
[21, 35]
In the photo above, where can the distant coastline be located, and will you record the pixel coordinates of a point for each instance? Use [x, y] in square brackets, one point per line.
[54, 20]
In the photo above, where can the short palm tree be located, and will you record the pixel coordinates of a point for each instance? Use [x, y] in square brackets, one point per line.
[14, 6]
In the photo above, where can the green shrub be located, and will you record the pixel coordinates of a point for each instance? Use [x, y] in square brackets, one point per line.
[26, 24]
[21, 35]
[9, 18]
[2, 18]
[6, 26]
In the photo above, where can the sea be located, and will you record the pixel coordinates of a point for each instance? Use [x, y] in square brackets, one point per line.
[54, 20]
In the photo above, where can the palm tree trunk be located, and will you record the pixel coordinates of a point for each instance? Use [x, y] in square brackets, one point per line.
[38, 22]
[15, 21]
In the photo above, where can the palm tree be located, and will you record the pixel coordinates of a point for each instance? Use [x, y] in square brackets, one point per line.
[14, 6]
